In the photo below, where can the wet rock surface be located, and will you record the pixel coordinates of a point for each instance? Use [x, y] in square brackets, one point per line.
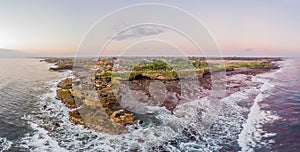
[97, 119]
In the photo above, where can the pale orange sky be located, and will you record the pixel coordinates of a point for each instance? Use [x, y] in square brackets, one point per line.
[53, 27]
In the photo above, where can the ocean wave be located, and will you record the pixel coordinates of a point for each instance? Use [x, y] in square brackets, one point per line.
[252, 133]
[41, 141]
[4, 144]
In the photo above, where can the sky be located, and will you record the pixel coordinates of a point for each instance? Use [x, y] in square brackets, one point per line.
[239, 28]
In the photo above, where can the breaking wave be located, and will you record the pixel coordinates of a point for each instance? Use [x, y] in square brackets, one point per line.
[4, 144]
[252, 134]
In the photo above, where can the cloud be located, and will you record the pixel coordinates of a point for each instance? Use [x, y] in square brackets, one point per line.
[140, 31]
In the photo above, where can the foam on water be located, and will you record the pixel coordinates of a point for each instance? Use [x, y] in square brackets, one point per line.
[252, 133]
[4, 144]
[41, 141]
[223, 133]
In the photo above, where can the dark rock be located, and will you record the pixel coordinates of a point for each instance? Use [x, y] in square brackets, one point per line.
[140, 140]
[57, 124]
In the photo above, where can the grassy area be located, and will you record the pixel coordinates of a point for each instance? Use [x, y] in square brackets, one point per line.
[181, 67]
[247, 64]
[170, 67]
[152, 65]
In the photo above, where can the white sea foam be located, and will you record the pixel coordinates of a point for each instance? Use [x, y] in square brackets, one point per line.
[41, 141]
[252, 132]
[5, 144]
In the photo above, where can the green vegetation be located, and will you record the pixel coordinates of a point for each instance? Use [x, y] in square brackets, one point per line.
[169, 67]
[247, 64]
[200, 64]
[152, 65]
[175, 67]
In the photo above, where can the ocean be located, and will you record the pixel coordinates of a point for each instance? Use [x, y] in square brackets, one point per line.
[264, 116]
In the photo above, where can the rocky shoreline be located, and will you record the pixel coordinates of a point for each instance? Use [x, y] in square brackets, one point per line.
[104, 113]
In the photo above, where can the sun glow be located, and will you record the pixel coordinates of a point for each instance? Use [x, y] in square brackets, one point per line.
[7, 41]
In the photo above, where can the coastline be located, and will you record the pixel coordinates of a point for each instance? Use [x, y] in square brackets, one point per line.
[74, 100]
[135, 132]
[252, 132]
[49, 110]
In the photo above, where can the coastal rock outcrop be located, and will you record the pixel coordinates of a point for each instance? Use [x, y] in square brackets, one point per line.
[123, 117]
[97, 119]
[62, 67]
[102, 113]
[60, 63]
[108, 100]
[65, 84]
[66, 97]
